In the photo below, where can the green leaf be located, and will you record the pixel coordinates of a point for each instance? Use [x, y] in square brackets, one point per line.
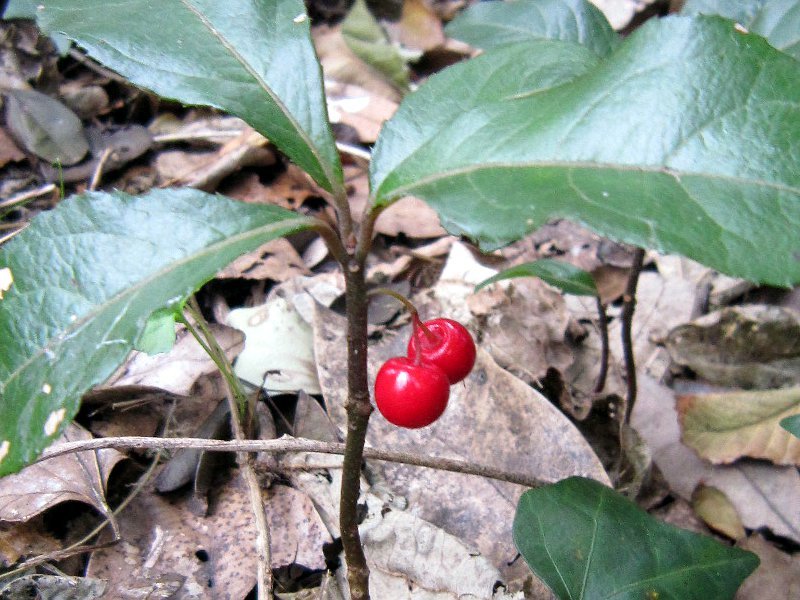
[686, 139]
[252, 59]
[776, 20]
[566, 277]
[495, 23]
[792, 425]
[502, 74]
[587, 541]
[368, 41]
[81, 282]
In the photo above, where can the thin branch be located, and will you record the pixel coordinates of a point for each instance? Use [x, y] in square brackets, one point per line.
[628, 308]
[288, 444]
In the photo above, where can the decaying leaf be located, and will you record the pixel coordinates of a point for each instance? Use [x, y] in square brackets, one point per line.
[53, 587]
[409, 216]
[177, 370]
[45, 127]
[408, 556]
[206, 557]
[80, 476]
[278, 352]
[745, 346]
[492, 418]
[716, 510]
[22, 540]
[359, 108]
[764, 495]
[724, 427]
[778, 575]
[276, 260]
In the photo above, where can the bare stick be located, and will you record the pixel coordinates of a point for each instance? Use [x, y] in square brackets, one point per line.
[286, 445]
[628, 307]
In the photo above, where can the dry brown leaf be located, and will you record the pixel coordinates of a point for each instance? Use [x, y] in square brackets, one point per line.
[359, 108]
[339, 63]
[419, 28]
[493, 418]
[776, 578]
[713, 506]
[764, 495]
[177, 370]
[22, 540]
[408, 556]
[9, 151]
[80, 476]
[726, 426]
[409, 216]
[209, 557]
[276, 260]
[746, 346]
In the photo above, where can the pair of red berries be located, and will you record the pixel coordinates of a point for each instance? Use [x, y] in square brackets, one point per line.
[412, 391]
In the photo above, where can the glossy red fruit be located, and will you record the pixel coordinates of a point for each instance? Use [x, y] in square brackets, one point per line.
[446, 344]
[409, 393]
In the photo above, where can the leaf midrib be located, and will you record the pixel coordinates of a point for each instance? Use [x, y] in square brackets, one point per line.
[267, 89]
[405, 190]
[131, 291]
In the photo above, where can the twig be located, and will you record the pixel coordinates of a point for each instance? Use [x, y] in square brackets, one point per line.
[239, 409]
[98, 170]
[628, 307]
[603, 325]
[29, 195]
[288, 444]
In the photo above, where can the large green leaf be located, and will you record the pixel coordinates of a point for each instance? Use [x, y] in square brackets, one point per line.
[252, 59]
[496, 23]
[587, 541]
[686, 139]
[81, 282]
[502, 74]
[776, 20]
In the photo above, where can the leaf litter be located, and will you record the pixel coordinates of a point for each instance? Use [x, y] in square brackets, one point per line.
[419, 522]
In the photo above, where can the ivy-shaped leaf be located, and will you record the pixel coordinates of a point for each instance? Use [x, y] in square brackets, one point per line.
[686, 139]
[252, 59]
[585, 540]
[82, 281]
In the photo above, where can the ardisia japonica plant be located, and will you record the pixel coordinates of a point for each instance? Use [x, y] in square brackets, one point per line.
[683, 137]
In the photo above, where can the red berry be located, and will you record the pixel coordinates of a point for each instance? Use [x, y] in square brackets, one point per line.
[446, 344]
[409, 393]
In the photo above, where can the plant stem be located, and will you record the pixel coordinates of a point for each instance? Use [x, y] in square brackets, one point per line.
[359, 408]
[628, 307]
[603, 325]
[242, 424]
